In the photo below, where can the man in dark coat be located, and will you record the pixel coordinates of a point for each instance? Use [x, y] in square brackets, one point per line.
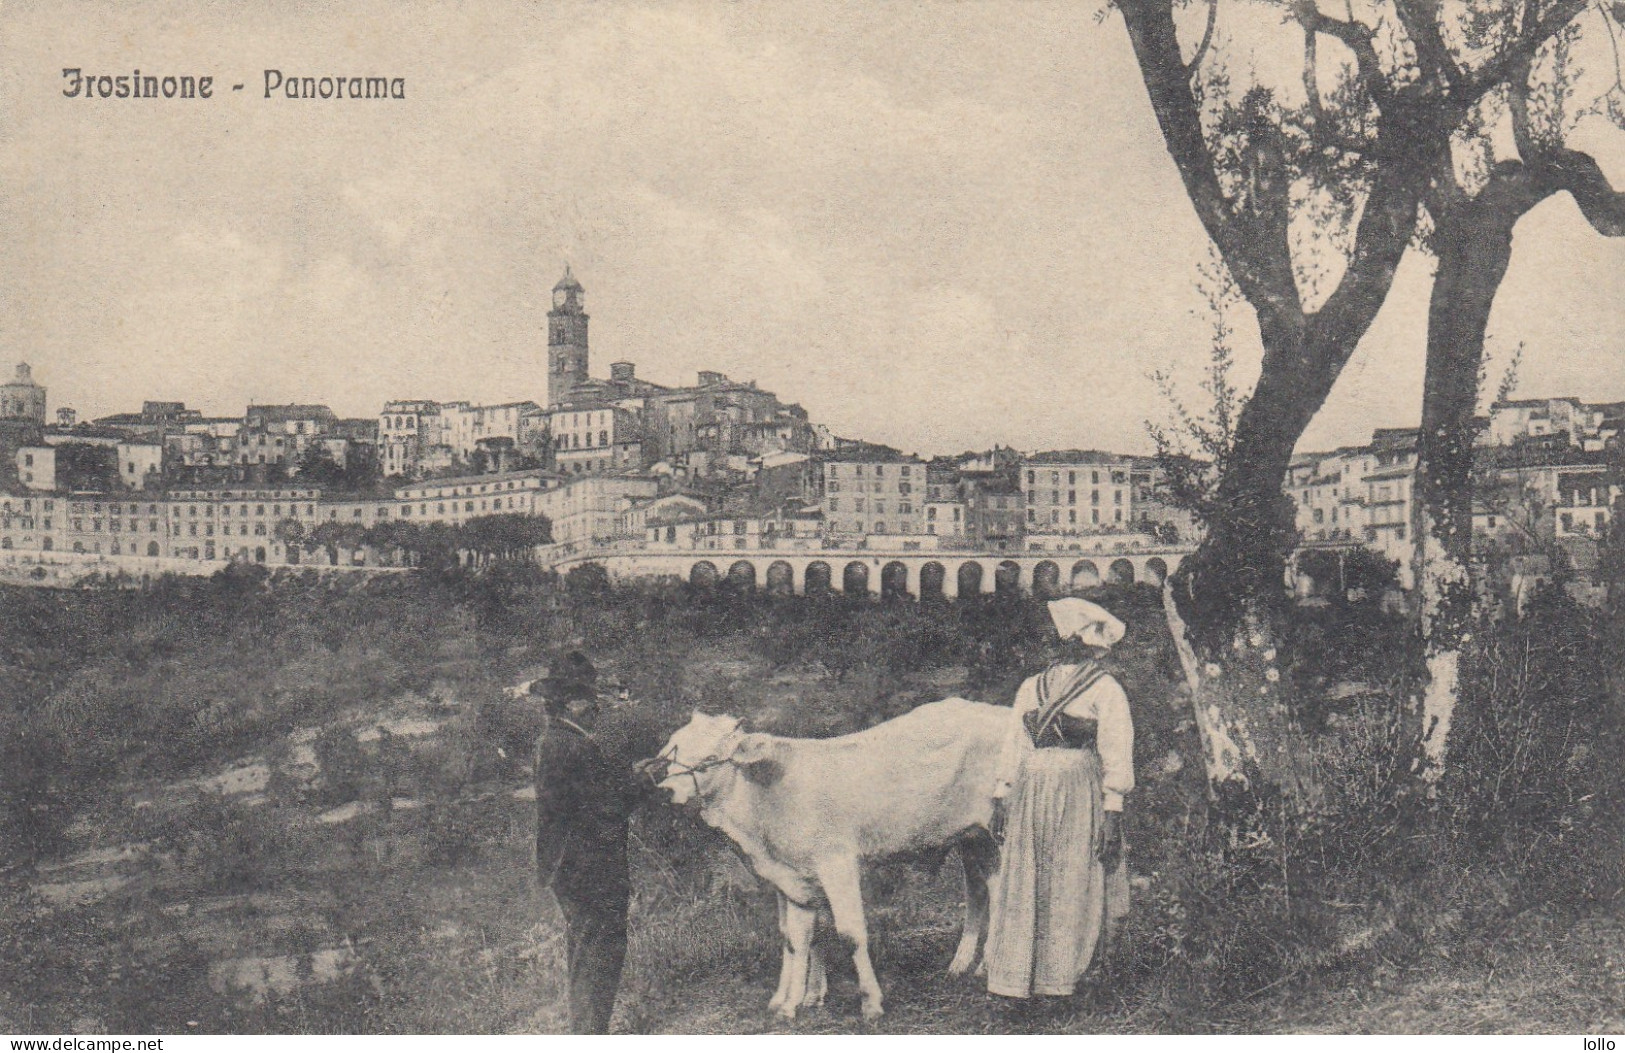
[583, 802]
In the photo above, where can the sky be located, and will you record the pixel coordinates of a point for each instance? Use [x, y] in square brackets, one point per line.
[938, 226]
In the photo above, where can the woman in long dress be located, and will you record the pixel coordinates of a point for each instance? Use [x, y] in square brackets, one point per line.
[1065, 769]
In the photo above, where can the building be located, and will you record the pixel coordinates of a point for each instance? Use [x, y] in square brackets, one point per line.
[881, 495]
[463, 426]
[280, 434]
[1388, 491]
[140, 465]
[946, 518]
[36, 467]
[114, 525]
[589, 508]
[22, 399]
[784, 477]
[407, 429]
[29, 523]
[1073, 492]
[566, 340]
[595, 438]
[1328, 493]
[251, 524]
[208, 442]
[456, 500]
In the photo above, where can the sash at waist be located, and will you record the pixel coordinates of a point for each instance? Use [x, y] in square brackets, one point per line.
[1064, 732]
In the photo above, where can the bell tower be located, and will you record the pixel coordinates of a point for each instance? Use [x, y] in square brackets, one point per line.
[566, 339]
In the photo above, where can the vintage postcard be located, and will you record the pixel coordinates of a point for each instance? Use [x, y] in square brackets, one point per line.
[819, 517]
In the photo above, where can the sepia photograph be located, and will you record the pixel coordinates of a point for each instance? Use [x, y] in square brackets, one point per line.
[811, 517]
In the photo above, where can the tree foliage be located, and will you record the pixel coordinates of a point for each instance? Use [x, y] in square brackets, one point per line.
[1311, 194]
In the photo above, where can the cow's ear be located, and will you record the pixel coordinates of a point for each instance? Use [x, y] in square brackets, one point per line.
[752, 748]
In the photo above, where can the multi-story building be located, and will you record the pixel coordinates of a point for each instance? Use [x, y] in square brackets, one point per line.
[946, 518]
[1076, 492]
[36, 467]
[241, 523]
[589, 508]
[407, 429]
[280, 434]
[464, 426]
[140, 465]
[737, 533]
[874, 496]
[206, 442]
[456, 500]
[29, 522]
[785, 477]
[1328, 492]
[113, 525]
[595, 439]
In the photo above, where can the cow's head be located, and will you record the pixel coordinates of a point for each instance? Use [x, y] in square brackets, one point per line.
[699, 747]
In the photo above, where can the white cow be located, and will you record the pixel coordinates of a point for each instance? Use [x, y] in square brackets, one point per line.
[806, 812]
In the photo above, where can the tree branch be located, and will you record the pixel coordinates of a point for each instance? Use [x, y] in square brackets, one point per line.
[1311, 82]
[1535, 33]
[1523, 134]
[1357, 37]
[1579, 174]
[1207, 39]
[1423, 29]
[1261, 266]
[1410, 147]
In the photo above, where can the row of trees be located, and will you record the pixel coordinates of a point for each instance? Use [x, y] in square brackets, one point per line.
[506, 537]
[1413, 126]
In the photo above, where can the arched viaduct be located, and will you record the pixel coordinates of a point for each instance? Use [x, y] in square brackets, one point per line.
[917, 574]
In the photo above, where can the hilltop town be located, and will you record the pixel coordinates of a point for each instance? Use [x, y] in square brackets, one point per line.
[619, 461]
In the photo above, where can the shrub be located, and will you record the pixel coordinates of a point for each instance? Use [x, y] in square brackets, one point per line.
[344, 769]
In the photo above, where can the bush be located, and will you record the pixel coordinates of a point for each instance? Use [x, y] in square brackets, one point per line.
[343, 764]
[228, 846]
[38, 798]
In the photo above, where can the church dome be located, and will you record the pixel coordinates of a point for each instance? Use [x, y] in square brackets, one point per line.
[568, 282]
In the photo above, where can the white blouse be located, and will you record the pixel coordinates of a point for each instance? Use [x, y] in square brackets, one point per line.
[1106, 704]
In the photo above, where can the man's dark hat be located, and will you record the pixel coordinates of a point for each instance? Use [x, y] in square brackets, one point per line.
[569, 677]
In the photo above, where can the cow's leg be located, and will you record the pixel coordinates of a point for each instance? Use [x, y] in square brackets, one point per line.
[784, 956]
[798, 932]
[817, 981]
[979, 857]
[845, 892]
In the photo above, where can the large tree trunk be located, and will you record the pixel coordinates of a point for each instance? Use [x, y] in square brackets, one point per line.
[1225, 605]
[1473, 243]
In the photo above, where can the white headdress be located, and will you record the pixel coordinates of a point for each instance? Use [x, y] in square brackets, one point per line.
[1089, 622]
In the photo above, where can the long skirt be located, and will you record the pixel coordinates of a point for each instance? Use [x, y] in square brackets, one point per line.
[1053, 902]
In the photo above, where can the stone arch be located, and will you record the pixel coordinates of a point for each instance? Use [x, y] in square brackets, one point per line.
[855, 578]
[1046, 580]
[970, 578]
[817, 579]
[152, 548]
[781, 578]
[894, 581]
[1007, 576]
[1156, 571]
[259, 553]
[932, 577]
[1085, 575]
[742, 574]
[703, 574]
[1121, 572]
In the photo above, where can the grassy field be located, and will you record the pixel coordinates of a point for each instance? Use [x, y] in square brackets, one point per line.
[304, 810]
